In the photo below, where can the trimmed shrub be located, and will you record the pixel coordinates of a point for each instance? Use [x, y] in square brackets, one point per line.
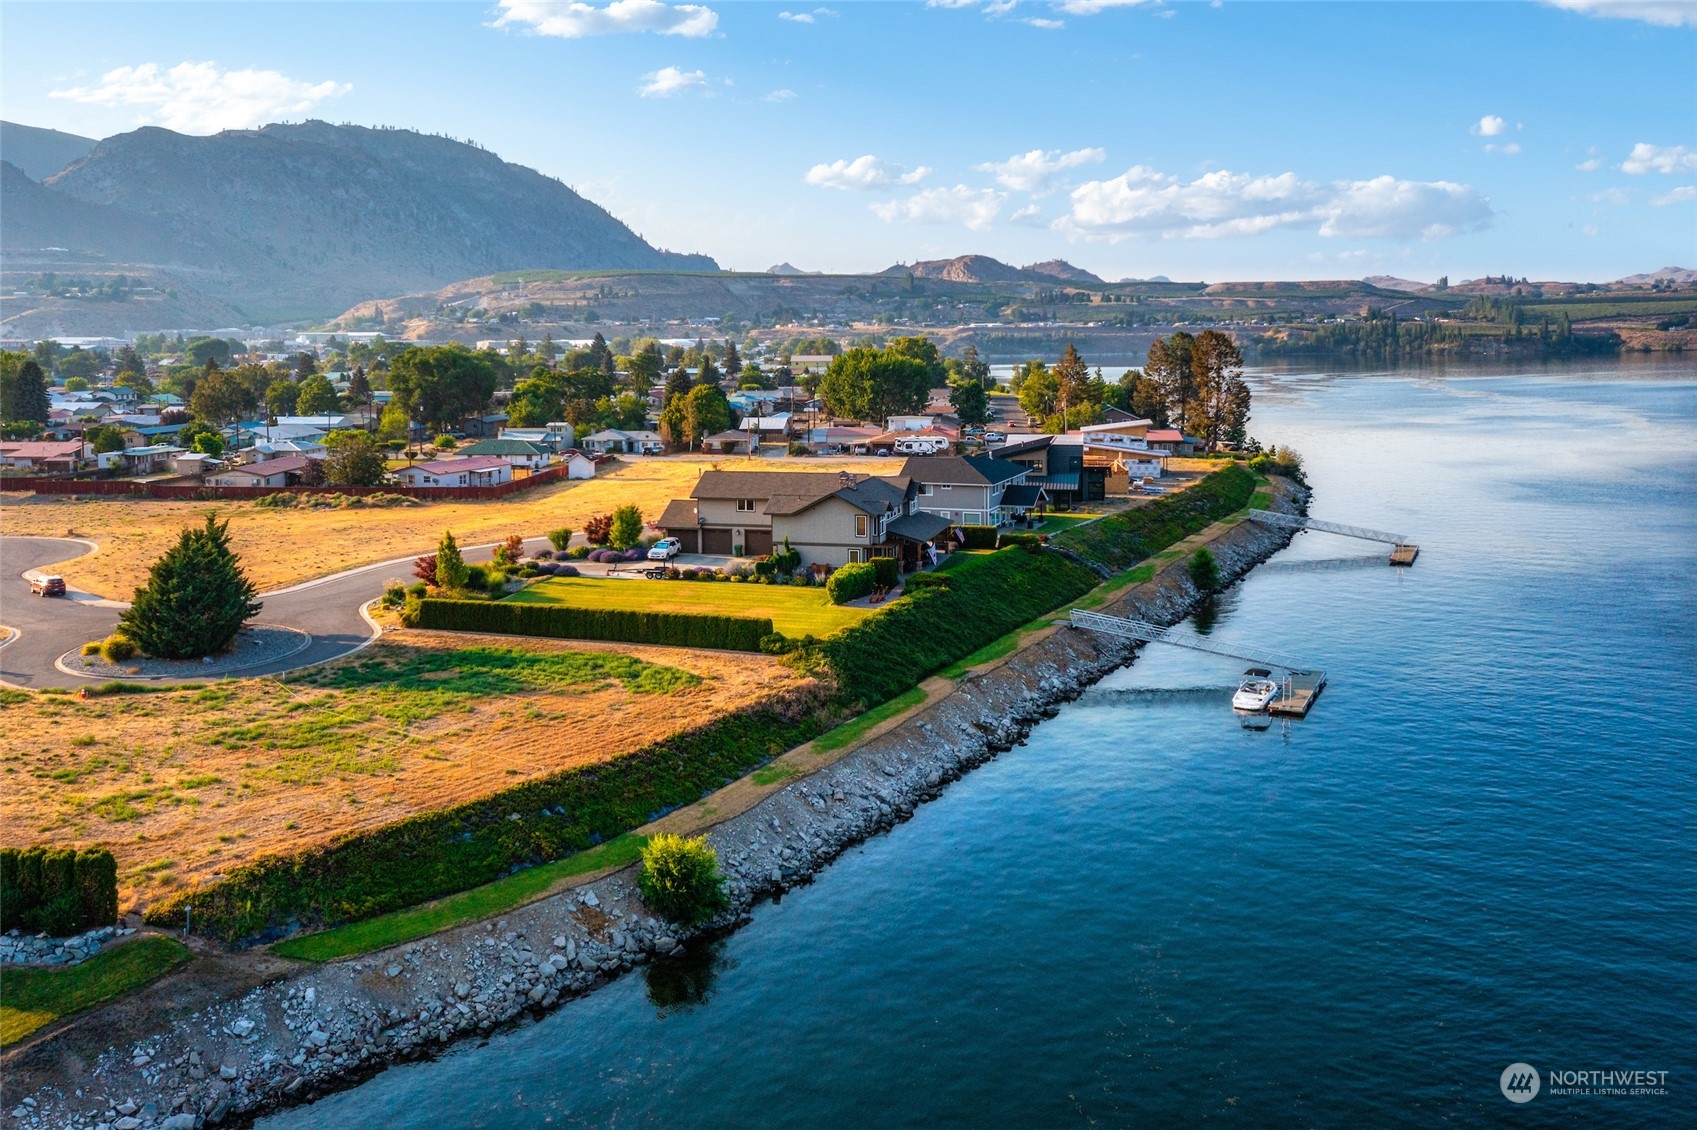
[373, 871]
[561, 538]
[195, 600]
[1204, 570]
[851, 582]
[92, 647]
[678, 629]
[57, 890]
[978, 537]
[418, 588]
[117, 649]
[680, 878]
[886, 571]
[1025, 541]
[566, 571]
[578, 552]
[1121, 540]
[926, 581]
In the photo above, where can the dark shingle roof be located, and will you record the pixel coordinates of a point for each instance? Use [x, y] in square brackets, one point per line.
[967, 470]
[765, 484]
[679, 514]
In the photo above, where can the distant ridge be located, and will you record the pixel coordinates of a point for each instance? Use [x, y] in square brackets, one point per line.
[1684, 276]
[39, 153]
[788, 268]
[983, 269]
[1391, 282]
[303, 220]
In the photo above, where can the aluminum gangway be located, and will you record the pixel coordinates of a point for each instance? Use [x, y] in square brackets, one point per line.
[1293, 521]
[1154, 633]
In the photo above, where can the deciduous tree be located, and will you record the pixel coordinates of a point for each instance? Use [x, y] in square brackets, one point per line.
[353, 459]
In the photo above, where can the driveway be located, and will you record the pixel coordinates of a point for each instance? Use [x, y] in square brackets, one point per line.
[329, 609]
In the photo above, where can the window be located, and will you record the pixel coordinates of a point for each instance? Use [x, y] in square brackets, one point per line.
[860, 525]
[745, 505]
[924, 488]
[974, 518]
[854, 557]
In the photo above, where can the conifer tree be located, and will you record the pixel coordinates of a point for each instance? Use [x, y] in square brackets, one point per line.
[451, 571]
[196, 598]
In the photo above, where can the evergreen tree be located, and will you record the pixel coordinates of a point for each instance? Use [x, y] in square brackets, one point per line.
[196, 598]
[733, 359]
[1169, 367]
[23, 391]
[627, 527]
[974, 369]
[359, 386]
[451, 572]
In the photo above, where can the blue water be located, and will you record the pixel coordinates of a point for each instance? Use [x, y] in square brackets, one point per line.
[1477, 850]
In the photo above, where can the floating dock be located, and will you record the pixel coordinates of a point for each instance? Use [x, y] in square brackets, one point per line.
[1297, 694]
[1404, 554]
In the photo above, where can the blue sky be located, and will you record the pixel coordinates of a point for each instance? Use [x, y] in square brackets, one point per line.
[1239, 140]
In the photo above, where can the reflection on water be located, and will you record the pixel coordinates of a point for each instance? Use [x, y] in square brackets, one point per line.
[686, 980]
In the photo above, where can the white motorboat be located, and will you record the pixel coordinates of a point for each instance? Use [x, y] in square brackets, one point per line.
[1255, 691]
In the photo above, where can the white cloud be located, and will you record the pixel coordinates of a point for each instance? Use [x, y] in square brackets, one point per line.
[569, 19]
[1609, 196]
[1681, 195]
[1043, 24]
[1589, 166]
[1647, 158]
[1029, 216]
[780, 96]
[951, 3]
[1145, 202]
[1511, 148]
[1031, 172]
[1489, 126]
[861, 174]
[668, 81]
[974, 207]
[1091, 7]
[797, 17]
[200, 98]
[1665, 13]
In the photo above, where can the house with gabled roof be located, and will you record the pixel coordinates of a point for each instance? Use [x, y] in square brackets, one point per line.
[973, 490]
[471, 471]
[517, 452]
[830, 519]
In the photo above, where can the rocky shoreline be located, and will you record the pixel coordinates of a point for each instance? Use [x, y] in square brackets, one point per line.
[325, 1028]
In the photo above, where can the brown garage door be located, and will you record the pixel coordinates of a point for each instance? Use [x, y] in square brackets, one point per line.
[757, 543]
[688, 538]
[716, 541]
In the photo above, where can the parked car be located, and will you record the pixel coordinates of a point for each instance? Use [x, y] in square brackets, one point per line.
[47, 586]
[995, 437]
[665, 549]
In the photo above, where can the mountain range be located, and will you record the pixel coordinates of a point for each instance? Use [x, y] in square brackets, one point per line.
[983, 269]
[296, 220]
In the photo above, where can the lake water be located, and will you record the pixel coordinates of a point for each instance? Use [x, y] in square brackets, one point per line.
[1477, 850]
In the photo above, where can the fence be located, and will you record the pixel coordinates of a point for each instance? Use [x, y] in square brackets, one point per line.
[132, 488]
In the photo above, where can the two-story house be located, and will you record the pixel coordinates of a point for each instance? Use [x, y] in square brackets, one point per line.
[1059, 466]
[973, 490]
[830, 519]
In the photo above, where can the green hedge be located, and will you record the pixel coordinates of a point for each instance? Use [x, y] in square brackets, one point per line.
[1028, 541]
[1121, 540]
[886, 572]
[363, 874]
[850, 582]
[986, 597]
[560, 621]
[57, 890]
[978, 537]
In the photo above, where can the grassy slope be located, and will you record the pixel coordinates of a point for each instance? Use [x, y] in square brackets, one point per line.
[795, 610]
[34, 998]
[467, 906]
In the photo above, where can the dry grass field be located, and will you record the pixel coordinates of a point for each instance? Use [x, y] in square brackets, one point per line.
[281, 547]
[182, 783]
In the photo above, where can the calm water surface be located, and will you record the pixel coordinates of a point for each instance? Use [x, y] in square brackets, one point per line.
[1477, 850]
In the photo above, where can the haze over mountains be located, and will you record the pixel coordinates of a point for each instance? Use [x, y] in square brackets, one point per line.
[297, 221]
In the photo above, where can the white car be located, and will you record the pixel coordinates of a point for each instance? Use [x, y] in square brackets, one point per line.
[665, 549]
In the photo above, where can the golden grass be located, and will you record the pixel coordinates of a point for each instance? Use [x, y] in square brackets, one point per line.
[285, 546]
[181, 784]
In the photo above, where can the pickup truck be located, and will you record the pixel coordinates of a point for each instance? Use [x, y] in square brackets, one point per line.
[47, 585]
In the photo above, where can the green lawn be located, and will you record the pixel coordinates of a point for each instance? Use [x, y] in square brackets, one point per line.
[1055, 523]
[467, 906]
[795, 609]
[33, 998]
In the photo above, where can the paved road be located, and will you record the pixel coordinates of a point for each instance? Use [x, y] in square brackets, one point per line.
[48, 627]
